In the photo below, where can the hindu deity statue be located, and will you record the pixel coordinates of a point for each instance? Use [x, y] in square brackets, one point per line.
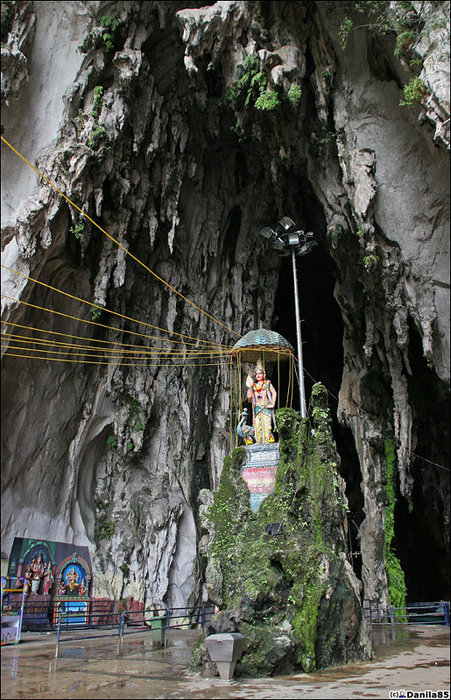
[73, 580]
[262, 395]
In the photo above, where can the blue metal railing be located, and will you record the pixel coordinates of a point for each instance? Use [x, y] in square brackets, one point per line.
[429, 613]
[158, 624]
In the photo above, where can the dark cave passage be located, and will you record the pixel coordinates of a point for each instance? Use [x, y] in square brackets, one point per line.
[322, 333]
[321, 324]
[421, 538]
[420, 532]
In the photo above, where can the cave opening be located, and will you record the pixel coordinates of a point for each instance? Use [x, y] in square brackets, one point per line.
[421, 537]
[322, 349]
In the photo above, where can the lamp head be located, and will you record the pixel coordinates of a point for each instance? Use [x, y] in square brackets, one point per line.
[267, 233]
[278, 244]
[286, 223]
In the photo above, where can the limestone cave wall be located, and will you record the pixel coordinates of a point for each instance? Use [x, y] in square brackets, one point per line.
[136, 113]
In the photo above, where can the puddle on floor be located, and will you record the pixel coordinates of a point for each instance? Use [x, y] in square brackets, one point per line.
[405, 657]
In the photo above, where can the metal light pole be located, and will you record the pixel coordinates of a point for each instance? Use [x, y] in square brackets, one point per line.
[285, 239]
[299, 338]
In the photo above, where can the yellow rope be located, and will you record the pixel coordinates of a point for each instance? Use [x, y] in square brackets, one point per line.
[117, 242]
[104, 308]
[91, 323]
[109, 342]
[116, 364]
[137, 350]
[75, 352]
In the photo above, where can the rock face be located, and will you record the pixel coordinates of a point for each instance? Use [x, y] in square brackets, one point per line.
[294, 595]
[184, 129]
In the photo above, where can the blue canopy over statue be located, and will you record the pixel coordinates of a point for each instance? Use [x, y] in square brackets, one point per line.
[264, 345]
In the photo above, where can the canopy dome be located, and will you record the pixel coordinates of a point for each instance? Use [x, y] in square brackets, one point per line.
[262, 345]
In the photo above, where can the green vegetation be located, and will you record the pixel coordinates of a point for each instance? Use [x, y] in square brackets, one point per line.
[112, 442]
[415, 92]
[107, 39]
[252, 91]
[403, 43]
[383, 17]
[267, 101]
[395, 574]
[97, 136]
[96, 312]
[245, 91]
[98, 98]
[409, 22]
[111, 23]
[106, 530]
[78, 230]
[294, 94]
[370, 261]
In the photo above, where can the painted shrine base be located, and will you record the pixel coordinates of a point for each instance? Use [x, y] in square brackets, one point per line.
[260, 471]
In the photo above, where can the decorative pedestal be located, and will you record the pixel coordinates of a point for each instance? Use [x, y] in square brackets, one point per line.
[36, 612]
[225, 650]
[260, 471]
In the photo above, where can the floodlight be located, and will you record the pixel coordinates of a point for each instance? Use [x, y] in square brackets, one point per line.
[286, 223]
[294, 238]
[278, 244]
[267, 233]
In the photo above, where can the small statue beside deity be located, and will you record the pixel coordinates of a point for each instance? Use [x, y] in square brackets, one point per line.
[262, 394]
[27, 582]
[48, 578]
[37, 570]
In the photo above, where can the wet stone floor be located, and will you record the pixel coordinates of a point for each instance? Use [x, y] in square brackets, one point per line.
[414, 659]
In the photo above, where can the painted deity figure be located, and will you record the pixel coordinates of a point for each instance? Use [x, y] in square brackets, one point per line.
[27, 576]
[72, 579]
[262, 395]
[48, 578]
[37, 569]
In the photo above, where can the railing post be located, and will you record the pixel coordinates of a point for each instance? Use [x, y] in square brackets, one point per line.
[392, 614]
[446, 613]
[120, 632]
[202, 617]
[58, 639]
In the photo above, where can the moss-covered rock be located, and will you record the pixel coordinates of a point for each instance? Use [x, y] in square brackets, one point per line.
[294, 596]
